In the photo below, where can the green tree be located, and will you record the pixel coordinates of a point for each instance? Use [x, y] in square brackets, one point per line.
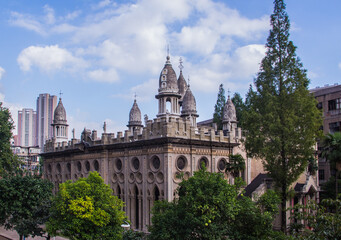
[235, 165]
[257, 215]
[209, 208]
[24, 204]
[323, 220]
[85, 210]
[240, 107]
[332, 152]
[8, 161]
[219, 108]
[282, 120]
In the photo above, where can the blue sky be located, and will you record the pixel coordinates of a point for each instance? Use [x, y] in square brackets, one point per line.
[100, 53]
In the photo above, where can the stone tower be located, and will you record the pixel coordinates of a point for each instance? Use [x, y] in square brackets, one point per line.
[135, 122]
[59, 125]
[168, 95]
[189, 109]
[229, 117]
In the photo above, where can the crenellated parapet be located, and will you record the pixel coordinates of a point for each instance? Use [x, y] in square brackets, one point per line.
[167, 126]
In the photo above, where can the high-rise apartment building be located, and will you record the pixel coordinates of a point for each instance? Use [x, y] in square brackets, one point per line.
[329, 101]
[27, 119]
[46, 105]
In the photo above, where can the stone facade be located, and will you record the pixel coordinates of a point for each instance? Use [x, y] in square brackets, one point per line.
[144, 163]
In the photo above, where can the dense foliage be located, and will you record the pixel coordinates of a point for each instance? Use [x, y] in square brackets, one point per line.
[240, 107]
[85, 210]
[235, 165]
[209, 208]
[317, 221]
[282, 120]
[332, 152]
[8, 161]
[24, 204]
[219, 108]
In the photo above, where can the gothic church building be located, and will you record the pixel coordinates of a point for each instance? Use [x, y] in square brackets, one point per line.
[142, 164]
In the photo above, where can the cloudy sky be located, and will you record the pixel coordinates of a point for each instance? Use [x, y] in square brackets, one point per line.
[100, 53]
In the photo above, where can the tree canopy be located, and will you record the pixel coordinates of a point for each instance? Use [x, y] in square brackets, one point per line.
[219, 108]
[282, 120]
[85, 210]
[332, 152]
[209, 208]
[8, 161]
[24, 204]
[240, 107]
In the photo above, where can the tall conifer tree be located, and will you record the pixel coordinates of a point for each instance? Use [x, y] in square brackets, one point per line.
[219, 108]
[282, 120]
[8, 161]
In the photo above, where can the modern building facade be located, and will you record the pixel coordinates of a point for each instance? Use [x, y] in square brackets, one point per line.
[143, 163]
[46, 105]
[329, 101]
[27, 124]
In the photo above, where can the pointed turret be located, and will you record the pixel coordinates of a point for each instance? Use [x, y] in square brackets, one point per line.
[135, 121]
[182, 85]
[229, 115]
[189, 109]
[168, 91]
[60, 126]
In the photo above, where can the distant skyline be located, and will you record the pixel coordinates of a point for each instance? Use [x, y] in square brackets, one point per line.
[100, 53]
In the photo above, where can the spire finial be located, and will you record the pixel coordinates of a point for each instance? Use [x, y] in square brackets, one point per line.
[60, 94]
[135, 96]
[168, 57]
[188, 81]
[228, 93]
[181, 66]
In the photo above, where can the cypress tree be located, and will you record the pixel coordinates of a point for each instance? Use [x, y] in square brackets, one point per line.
[219, 108]
[282, 120]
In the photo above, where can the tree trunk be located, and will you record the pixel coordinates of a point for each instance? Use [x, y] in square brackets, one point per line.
[284, 212]
[336, 183]
[21, 237]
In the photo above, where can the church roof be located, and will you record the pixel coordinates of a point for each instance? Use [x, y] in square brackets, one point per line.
[168, 82]
[59, 113]
[135, 115]
[182, 85]
[229, 112]
[189, 103]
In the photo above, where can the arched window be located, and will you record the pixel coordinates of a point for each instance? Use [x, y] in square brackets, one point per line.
[137, 209]
[119, 192]
[203, 162]
[156, 194]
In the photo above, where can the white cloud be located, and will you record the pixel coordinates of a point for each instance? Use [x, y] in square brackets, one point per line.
[216, 28]
[100, 75]
[49, 17]
[72, 15]
[102, 4]
[130, 38]
[48, 58]
[246, 60]
[2, 72]
[27, 22]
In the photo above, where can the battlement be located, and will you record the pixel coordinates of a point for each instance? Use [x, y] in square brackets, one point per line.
[167, 126]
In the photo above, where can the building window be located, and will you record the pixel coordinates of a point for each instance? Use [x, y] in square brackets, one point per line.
[334, 127]
[321, 174]
[334, 104]
[319, 105]
[181, 163]
[222, 165]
